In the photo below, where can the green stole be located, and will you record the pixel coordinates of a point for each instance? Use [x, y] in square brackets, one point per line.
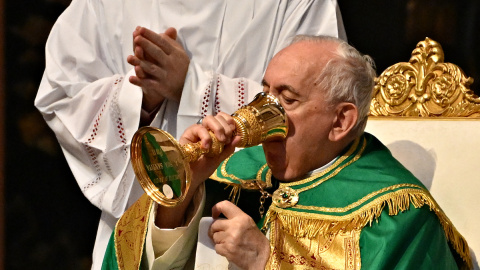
[127, 242]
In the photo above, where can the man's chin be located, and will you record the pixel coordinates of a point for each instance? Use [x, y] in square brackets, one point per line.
[283, 173]
[284, 176]
[278, 174]
[276, 158]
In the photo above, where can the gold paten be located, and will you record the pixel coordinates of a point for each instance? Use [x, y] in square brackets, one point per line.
[161, 164]
[425, 87]
[160, 167]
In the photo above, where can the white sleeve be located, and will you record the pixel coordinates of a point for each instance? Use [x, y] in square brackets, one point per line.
[312, 17]
[214, 93]
[172, 248]
[87, 101]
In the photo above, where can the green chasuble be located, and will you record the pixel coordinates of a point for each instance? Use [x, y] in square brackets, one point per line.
[363, 211]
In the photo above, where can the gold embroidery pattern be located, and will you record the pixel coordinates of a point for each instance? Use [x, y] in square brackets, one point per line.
[322, 247]
[334, 251]
[130, 234]
[301, 224]
[352, 250]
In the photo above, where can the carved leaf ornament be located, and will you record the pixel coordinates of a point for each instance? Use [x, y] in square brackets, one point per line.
[424, 87]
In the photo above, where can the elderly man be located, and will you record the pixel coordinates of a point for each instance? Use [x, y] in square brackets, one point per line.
[185, 59]
[340, 200]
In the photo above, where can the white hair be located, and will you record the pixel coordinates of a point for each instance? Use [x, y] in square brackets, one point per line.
[348, 77]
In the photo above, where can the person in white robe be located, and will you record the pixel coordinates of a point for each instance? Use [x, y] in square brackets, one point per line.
[87, 99]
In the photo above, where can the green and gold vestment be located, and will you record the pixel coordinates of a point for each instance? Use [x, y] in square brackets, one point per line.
[363, 211]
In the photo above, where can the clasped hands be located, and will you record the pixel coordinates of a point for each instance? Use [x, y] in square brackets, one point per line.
[161, 65]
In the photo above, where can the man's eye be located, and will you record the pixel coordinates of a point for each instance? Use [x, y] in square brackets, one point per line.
[287, 100]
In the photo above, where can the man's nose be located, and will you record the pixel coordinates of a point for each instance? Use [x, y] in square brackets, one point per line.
[270, 91]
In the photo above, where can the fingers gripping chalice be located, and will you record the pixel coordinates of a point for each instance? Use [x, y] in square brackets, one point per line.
[162, 165]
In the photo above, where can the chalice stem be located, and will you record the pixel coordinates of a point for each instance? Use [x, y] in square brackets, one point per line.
[193, 151]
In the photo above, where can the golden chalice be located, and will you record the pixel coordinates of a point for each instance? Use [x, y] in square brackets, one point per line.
[161, 164]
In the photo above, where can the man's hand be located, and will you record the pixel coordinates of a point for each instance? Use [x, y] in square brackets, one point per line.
[223, 126]
[238, 238]
[161, 65]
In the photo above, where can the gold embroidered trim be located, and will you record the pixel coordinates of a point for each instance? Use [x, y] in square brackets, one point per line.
[355, 158]
[248, 184]
[268, 177]
[301, 224]
[331, 167]
[328, 252]
[259, 173]
[359, 218]
[357, 203]
[223, 170]
[130, 232]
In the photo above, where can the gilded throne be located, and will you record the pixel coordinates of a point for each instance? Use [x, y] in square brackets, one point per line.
[427, 115]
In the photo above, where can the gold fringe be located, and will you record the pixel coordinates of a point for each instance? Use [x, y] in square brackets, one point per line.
[300, 225]
[234, 193]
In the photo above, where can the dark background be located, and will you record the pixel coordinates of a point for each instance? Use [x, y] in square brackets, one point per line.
[50, 225]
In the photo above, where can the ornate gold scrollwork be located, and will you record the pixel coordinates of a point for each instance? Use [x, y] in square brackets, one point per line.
[424, 87]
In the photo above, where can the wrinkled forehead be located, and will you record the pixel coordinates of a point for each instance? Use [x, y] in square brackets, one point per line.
[313, 50]
[307, 56]
[300, 64]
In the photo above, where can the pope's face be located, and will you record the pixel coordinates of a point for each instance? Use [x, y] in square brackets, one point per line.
[292, 77]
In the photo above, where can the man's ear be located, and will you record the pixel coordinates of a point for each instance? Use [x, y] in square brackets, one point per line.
[346, 115]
